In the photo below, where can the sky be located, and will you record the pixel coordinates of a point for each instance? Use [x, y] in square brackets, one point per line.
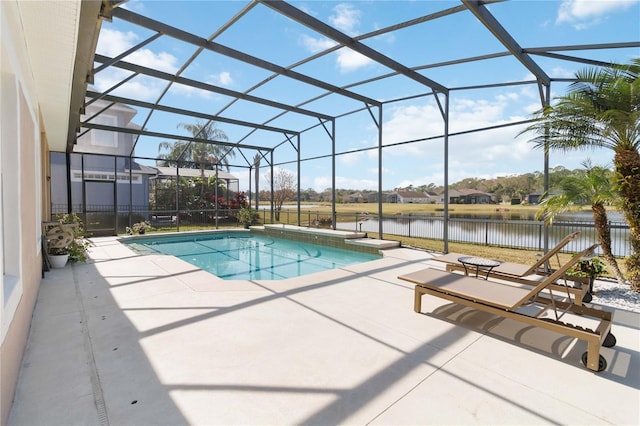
[269, 36]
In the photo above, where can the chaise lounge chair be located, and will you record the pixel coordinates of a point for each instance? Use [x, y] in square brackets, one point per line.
[516, 269]
[514, 302]
[526, 274]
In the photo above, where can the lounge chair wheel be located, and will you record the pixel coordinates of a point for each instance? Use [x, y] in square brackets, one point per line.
[587, 297]
[602, 362]
[609, 341]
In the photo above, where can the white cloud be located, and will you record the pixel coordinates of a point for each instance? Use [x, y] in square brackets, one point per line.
[583, 14]
[385, 171]
[350, 158]
[346, 18]
[221, 79]
[139, 87]
[112, 43]
[224, 78]
[474, 154]
[189, 91]
[342, 182]
[315, 45]
[560, 72]
[532, 107]
[348, 60]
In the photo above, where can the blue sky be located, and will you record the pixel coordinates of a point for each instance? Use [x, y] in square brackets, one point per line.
[265, 34]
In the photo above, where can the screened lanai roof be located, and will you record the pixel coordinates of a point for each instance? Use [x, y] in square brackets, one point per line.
[306, 82]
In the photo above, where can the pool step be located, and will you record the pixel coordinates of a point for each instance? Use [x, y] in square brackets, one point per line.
[370, 242]
[316, 231]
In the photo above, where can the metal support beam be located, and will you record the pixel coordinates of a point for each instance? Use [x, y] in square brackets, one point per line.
[379, 125]
[299, 175]
[180, 111]
[195, 40]
[271, 182]
[340, 37]
[207, 87]
[574, 59]
[333, 174]
[546, 102]
[445, 231]
[166, 136]
[488, 20]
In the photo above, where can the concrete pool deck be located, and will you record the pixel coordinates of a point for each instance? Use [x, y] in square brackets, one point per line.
[141, 340]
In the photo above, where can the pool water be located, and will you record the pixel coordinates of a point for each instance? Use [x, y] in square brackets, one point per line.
[240, 256]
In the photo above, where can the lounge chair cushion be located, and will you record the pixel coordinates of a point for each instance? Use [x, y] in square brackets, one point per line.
[491, 293]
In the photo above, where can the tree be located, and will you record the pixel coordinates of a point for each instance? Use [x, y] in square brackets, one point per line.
[284, 188]
[592, 186]
[602, 110]
[200, 155]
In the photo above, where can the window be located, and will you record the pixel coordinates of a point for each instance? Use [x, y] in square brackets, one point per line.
[76, 176]
[104, 137]
[11, 289]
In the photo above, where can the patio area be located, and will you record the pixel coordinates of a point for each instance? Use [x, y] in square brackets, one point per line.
[133, 340]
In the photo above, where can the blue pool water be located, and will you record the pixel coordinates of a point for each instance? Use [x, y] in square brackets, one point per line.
[241, 256]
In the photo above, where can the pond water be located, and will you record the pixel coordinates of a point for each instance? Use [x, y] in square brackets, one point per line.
[507, 215]
[516, 233]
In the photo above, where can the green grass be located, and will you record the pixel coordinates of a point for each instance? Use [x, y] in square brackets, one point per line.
[526, 257]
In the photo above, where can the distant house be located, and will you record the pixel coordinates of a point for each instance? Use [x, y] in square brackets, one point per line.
[466, 196]
[413, 197]
[356, 197]
[535, 197]
[108, 177]
[387, 197]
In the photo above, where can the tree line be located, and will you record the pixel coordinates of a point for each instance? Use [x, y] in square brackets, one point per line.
[504, 188]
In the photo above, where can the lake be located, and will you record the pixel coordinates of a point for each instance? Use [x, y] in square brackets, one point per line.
[514, 233]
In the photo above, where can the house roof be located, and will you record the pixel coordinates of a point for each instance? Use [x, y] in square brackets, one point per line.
[465, 192]
[412, 194]
[171, 172]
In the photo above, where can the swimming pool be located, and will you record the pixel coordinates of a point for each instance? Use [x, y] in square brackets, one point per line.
[243, 256]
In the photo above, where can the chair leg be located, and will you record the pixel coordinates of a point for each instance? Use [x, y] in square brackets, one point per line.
[417, 300]
[592, 358]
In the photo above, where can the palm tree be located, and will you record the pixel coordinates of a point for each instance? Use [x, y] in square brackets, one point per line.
[602, 110]
[590, 186]
[198, 154]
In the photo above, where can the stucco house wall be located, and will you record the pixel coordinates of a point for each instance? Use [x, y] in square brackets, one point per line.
[21, 213]
[45, 54]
